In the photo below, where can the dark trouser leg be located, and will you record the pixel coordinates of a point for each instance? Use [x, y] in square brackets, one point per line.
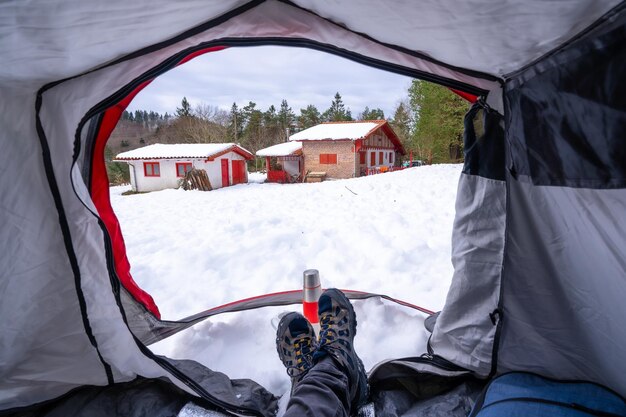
[323, 392]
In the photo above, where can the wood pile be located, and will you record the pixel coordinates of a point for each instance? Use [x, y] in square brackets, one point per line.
[196, 179]
[315, 176]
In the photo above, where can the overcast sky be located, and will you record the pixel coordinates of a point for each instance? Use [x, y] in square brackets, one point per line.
[268, 74]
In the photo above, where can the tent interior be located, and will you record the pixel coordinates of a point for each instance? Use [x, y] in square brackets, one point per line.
[538, 240]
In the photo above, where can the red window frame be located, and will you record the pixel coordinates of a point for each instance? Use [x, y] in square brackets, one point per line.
[152, 166]
[187, 166]
[328, 159]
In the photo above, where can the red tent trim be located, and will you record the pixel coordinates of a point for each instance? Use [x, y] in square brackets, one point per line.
[99, 188]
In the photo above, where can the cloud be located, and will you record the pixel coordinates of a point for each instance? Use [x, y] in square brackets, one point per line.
[267, 75]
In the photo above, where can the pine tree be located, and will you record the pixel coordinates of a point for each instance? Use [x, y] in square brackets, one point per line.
[185, 109]
[286, 118]
[337, 111]
[374, 114]
[402, 124]
[235, 124]
[309, 117]
[252, 135]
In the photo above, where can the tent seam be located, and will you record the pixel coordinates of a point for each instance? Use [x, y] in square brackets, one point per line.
[67, 238]
[415, 54]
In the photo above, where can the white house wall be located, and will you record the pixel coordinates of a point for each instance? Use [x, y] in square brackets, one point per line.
[168, 177]
[386, 160]
[214, 168]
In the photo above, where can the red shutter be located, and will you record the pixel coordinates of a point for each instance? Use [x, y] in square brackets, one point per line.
[332, 158]
[373, 159]
[380, 158]
[362, 158]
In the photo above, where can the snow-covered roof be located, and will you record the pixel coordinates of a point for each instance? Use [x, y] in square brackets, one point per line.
[338, 130]
[181, 150]
[282, 149]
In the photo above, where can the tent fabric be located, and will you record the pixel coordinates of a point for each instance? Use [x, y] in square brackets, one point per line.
[465, 330]
[149, 329]
[143, 397]
[566, 199]
[565, 258]
[511, 34]
[538, 257]
[84, 36]
[570, 92]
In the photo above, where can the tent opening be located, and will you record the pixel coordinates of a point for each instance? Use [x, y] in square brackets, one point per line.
[191, 250]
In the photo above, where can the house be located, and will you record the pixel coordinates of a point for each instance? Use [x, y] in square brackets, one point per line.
[349, 149]
[161, 166]
[284, 161]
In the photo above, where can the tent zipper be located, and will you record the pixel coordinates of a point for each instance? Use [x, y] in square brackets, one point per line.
[234, 42]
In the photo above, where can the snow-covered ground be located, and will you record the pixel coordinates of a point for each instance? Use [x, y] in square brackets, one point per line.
[388, 233]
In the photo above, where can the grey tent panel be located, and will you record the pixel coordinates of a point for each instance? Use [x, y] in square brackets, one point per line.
[465, 329]
[563, 292]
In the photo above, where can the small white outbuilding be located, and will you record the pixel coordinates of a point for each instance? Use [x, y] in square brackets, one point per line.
[160, 166]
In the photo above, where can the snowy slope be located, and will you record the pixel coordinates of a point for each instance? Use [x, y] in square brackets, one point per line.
[387, 233]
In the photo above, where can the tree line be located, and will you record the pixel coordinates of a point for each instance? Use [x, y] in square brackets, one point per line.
[252, 127]
[428, 121]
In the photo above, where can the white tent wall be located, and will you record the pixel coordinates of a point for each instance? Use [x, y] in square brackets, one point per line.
[45, 350]
[493, 37]
[47, 41]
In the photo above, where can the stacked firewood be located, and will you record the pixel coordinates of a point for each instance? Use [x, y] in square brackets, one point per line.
[196, 179]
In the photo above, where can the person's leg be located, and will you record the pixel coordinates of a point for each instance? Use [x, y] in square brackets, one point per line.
[337, 331]
[337, 382]
[322, 392]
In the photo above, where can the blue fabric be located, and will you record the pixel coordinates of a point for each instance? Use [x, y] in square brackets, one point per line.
[523, 394]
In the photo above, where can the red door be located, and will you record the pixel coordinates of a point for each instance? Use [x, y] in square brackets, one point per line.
[239, 172]
[373, 159]
[225, 175]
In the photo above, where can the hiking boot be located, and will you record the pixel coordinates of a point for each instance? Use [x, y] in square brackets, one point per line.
[337, 331]
[295, 343]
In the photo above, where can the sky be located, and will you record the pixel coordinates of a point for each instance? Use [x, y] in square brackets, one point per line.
[268, 74]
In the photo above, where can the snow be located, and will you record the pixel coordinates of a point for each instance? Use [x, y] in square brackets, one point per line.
[387, 233]
[282, 149]
[179, 150]
[336, 130]
[256, 177]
